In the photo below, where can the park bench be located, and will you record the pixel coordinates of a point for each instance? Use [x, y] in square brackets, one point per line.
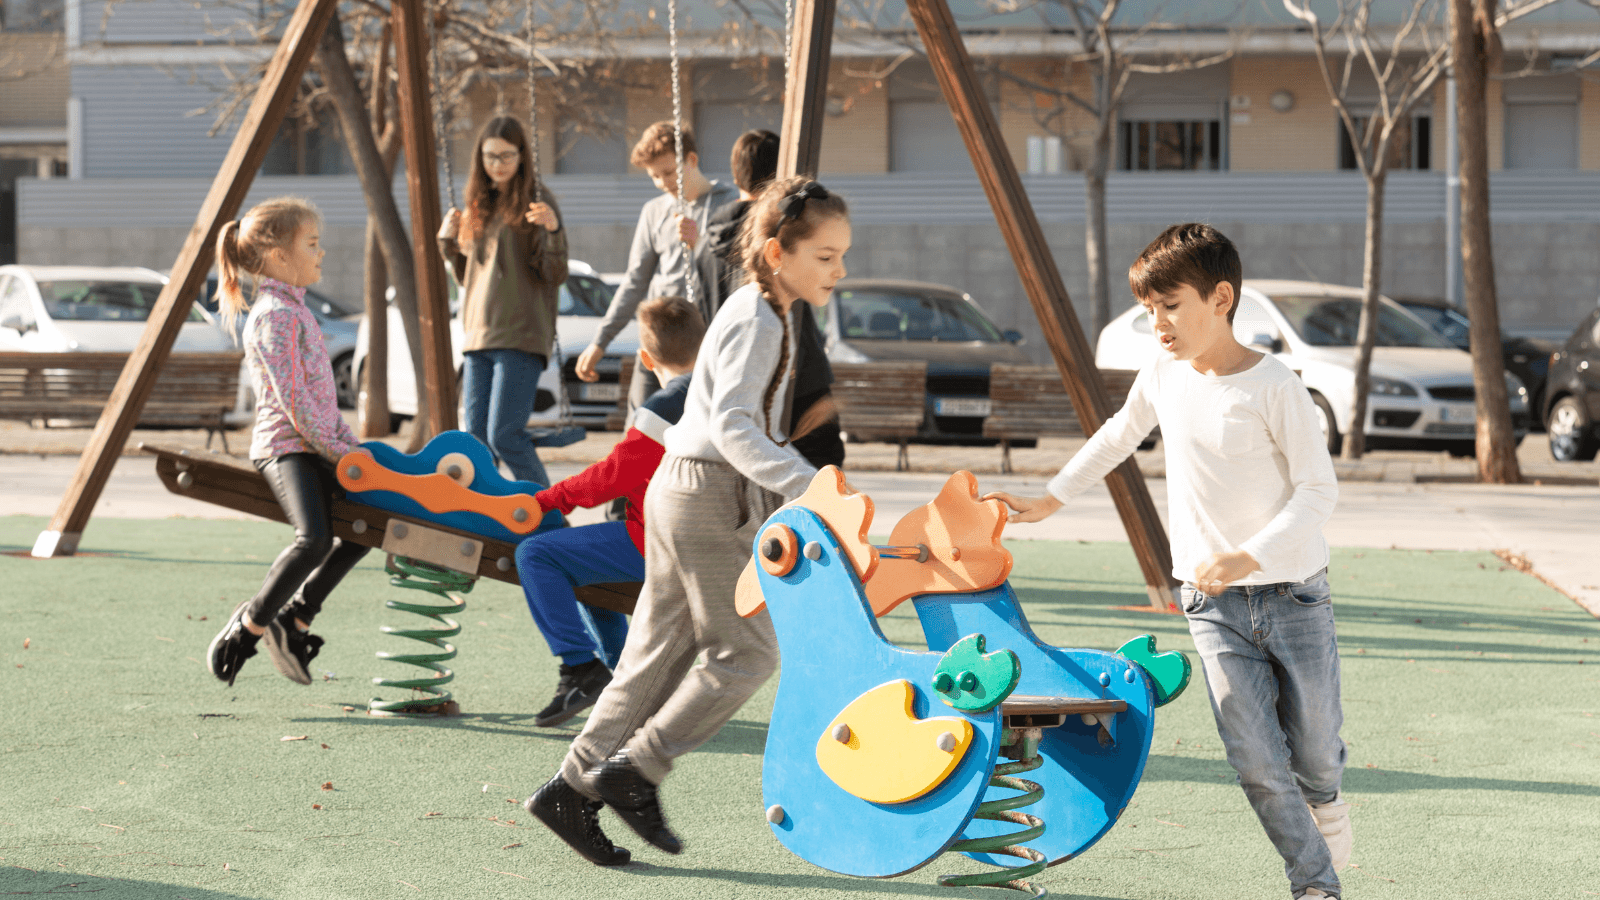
[193, 390]
[1029, 402]
[881, 401]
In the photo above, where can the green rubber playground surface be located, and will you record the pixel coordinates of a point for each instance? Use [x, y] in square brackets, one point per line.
[1471, 694]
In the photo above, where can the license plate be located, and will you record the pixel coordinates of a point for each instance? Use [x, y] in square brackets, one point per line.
[608, 393]
[961, 406]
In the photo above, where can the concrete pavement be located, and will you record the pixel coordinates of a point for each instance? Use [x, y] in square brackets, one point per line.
[1556, 529]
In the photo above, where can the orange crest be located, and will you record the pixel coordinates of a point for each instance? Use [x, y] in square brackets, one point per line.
[962, 534]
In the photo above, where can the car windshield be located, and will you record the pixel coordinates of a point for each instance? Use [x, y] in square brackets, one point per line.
[888, 315]
[583, 295]
[1451, 324]
[1332, 321]
[103, 301]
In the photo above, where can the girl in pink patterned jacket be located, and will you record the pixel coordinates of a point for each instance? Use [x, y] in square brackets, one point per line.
[299, 434]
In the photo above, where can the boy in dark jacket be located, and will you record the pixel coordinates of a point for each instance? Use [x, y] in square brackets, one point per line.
[552, 564]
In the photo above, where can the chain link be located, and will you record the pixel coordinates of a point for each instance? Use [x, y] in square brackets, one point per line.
[533, 116]
[677, 139]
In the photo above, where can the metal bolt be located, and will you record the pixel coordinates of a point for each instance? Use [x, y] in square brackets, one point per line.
[468, 548]
[454, 472]
[1089, 719]
[1128, 675]
[353, 473]
[398, 529]
[185, 480]
[922, 553]
[519, 514]
[955, 554]
[969, 681]
[946, 742]
[841, 733]
[775, 814]
[772, 549]
[813, 550]
[359, 526]
[503, 564]
[943, 683]
[1105, 679]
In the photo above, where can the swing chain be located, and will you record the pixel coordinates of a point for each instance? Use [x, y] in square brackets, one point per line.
[441, 108]
[533, 126]
[677, 136]
[788, 37]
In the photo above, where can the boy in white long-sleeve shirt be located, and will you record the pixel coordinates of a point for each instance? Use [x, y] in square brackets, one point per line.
[1249, 486]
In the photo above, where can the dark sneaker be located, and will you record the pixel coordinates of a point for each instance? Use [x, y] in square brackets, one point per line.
[291, 649]
[634, 799]
[579, 688]
[231, 647]
[575, 819]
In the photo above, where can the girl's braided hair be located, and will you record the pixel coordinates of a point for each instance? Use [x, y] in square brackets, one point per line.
[788, 210]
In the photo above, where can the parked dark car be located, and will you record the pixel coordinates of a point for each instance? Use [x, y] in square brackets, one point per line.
[1572, 412]
[889, 320]
[1526, 358]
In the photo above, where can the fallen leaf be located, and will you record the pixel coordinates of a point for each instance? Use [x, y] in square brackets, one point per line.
[289, 737]
[509, 846]
[1173, 824]
[26, 642]
[428, 815]
[349, 709]
[316, 806]
[326, 747]
[327, 785]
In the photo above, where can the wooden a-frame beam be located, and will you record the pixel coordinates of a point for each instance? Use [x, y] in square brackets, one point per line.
[411, 57]
[221, 205]
[805, 93]
[1042, 282]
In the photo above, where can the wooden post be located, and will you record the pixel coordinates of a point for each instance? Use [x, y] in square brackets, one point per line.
[1042, 281]
[260, 126]
[805, 94]
[422, 180]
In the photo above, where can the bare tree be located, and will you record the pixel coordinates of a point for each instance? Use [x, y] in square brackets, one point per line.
[1403, 64]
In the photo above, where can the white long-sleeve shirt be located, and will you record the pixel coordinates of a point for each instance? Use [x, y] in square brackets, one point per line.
[1247, 468]
[725, 418]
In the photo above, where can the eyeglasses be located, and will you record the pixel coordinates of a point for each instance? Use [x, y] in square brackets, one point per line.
[510, 156]
[794, 205]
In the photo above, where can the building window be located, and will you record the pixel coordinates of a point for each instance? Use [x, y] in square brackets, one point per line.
[730, 98]
[308, 148]
[32, 15]
[1411, 147]
[1194, 145]
[922, 135]
[1541, 120]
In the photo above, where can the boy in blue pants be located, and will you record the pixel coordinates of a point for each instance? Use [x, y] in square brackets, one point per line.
[552, 564]
[1249, 488]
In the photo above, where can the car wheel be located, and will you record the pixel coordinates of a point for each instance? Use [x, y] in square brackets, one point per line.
[1462, 449]
[1330, 426]
[1571, 436]
[344, 381]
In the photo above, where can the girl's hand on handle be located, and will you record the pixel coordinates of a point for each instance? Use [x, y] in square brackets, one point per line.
[542, 214]
[587, 361]
[688, 231]
[1026, 509]
[1214, 575]
[451, 224]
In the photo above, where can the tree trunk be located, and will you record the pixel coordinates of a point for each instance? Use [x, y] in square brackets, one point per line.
[1096, 239]
[1355, 443]
[376, 188]
[372, 407]
[1470, 39]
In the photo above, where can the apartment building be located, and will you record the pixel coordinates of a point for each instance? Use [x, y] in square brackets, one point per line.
[1250, 143]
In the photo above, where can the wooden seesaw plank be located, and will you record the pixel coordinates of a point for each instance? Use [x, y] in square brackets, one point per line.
[231, 483]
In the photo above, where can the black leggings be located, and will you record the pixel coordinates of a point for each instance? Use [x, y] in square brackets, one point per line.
[316, 562]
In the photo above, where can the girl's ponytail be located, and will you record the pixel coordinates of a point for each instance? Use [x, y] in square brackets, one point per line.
[230, 299]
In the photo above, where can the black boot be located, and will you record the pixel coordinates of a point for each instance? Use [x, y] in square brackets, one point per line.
[231, 647]
[575, 819]
[578, 689]
[634, 799]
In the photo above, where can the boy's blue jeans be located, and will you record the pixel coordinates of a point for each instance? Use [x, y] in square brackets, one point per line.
[498, 388]
[1271, 663]
[551, 564]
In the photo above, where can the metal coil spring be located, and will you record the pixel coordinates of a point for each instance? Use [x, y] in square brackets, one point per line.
[1004, 810]
[414, 576]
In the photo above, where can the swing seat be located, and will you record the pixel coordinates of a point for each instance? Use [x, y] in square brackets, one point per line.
[559, 436]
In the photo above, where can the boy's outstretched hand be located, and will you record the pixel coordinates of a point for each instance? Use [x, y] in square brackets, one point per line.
[1026, 509]
[1214, 575]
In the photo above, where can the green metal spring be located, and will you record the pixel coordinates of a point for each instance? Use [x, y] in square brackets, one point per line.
[1024, 743]
[415, 576]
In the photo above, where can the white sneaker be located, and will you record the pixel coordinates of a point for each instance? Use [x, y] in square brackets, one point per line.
[1333, 820]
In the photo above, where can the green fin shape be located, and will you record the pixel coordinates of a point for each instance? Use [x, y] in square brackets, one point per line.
[973, 681]
[1169, 672]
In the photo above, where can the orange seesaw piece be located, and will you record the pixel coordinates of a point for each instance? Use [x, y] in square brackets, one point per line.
[439, 493]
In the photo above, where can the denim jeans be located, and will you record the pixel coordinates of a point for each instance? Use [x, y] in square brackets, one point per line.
[1271, 663]
[498, 389]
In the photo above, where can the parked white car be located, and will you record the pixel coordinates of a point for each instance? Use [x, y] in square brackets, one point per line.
[69, 309]
[583, 302]
[1421, 385]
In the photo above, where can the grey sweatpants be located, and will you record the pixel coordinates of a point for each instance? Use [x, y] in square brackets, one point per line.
[700, 520]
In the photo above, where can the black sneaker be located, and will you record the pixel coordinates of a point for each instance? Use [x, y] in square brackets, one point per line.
[634, 799]
[291, 649]
[579, 688]
[575, 819]
[231, 647]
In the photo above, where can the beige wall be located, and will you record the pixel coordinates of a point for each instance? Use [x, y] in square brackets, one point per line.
[1496, 126]
[1304, 138]
[38, 97]
[1588, 124]
[857, 140]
